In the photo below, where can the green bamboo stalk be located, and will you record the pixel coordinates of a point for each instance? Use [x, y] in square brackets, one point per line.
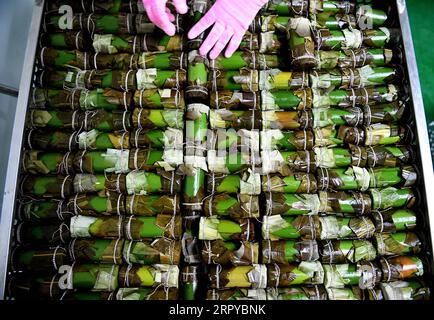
[392, 198]
[355, 203]
[61, 59]
[401, 243]
[291, 183]
[158, 118]
[96, 205]
[301, 45]
[71, 40]
[285, 275]
[153, 78]
[96, 227]
[95, 140]
[341, 275]
[284, 252]
[235, 119]
[392, 221]
[247, 59]
[197, 87]
[405, 290]
[42, 233]
[143, 228]
[231, 140]
[48, 186]
[161, 250]
[190, 282]
[233, 206]
[287, 120]
[214, 228]
[332, 6]
[277, 227]
[268, 23]
[344, 251]
[94, 277]
[43, 210]
[287, 204]
[311, 292]
[152, 205]
[287, 140]
[230, 253]
[243, 79]
[276, 79]
[328, 20]
[40, 139]
[140, 294]
[96, 250]
[37, 162]
[149, 276]
[52, 119]
[44, 260]
[105, 121]
[287, 100]
[234, 100]
[160, 98]
[351, 293]
[286, 7]
[245, 183]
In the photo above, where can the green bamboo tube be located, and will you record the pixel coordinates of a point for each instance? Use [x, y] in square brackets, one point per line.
[341, 275]
[243, 80]
[53, 119]
[60, 59]
[338, 136]
[40, 139]
[392, 221]
[236, 294]
[272, 23]
[158, 118]
[382, 37]
[291, 183]
[368, 17]
[231, 140]
[151, 205]
[160, 139]
[384, 134]
[111, 43]
[47, 186]
[400, 243]
[356, 203]
[392, 198]
[286, 100]
[332, 6]
[345, 251]
[301, 45]
[96, 250]
[235, 119]
[352, 78]
[288, 228]
[248, 59]
[386, 156]
[405, 290]
[120, 23]
[345, 228]
[327, 20]
[94, 79]
[160, 98]
[99, 161]
[72, 40]
[254, 277]
[96, 227]
[276, 79]
[105, 121]
[37, 162]
[234, 100]
[232, 253]
[384, 113]
[161, 250]
[357, 58]
[51, 22]
[284, 252]
[311, 292]
[118, 61]
[196, 129]
[233, 206]
[352, 293]
[95, 140]
[285, 161]
[149, 276]
[287, 204]
[388, 177]
[397, 268]
[107, 99]
[159, 182]
[140, 294]
[287, 140]
[42, 210]
[285, 275]
[350, 98]
[286, 7]
[168, 159]
[190, 282]
[25, 286]
[323, 117]
[89, 183]
[167, 79]
[159, 60]
[111, 6]
[214, 228]
[44, 260]
[231, 162]
[271, 42]
[197, 87]
[341, 179]
[287, 120]
[194, 189]
[245, 183]
[42, 234]
[143, 228]
[96, 205]
[94, 277]
[332, 157]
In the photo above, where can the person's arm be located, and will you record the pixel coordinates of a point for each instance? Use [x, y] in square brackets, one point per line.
[161, 16]
[230, 20]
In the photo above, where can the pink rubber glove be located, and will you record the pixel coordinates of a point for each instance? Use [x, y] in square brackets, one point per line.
[161, 16]
[231, 19]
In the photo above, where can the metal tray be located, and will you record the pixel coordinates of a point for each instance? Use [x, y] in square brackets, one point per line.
[421, 143]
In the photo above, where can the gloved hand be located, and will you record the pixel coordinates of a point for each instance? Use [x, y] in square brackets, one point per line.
[161, 16]
[231, 19]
